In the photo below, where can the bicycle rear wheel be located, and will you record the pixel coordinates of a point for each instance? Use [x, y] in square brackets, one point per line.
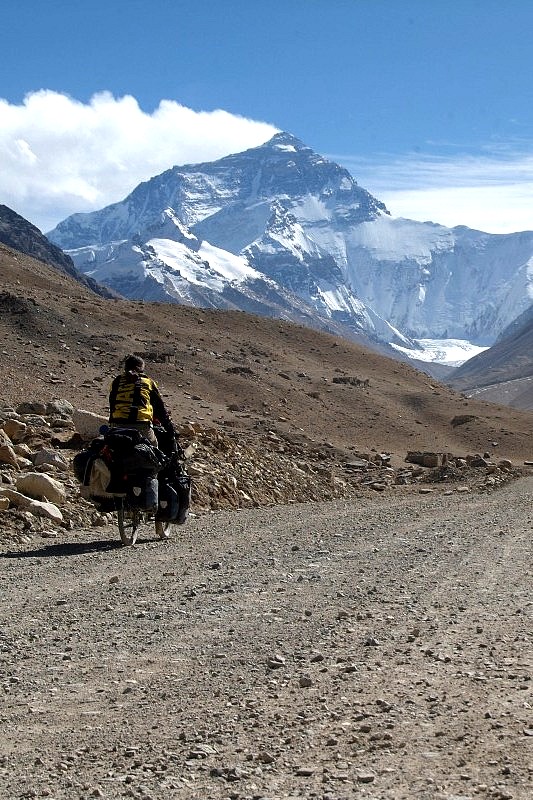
[128, 520]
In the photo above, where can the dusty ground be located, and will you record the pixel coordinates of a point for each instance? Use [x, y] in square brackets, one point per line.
[380, 648]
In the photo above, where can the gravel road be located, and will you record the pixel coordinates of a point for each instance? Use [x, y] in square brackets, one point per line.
[373, 649]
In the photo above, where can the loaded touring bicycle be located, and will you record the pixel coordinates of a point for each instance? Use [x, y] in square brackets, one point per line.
[122, 472]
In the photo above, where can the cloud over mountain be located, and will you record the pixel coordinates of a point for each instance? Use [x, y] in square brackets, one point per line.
[491, 192]
[59, 154]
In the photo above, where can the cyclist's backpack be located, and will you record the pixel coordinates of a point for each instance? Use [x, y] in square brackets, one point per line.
[128, 450]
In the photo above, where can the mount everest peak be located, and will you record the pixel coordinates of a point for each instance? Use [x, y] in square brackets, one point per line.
[282, 167]
[280, 230]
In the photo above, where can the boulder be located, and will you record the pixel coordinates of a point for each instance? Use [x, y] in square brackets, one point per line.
[87, 423]
[34, 407]
[7, 454]
[35, 420]
[426, 459]
[61, 422]
[44, 457]
[4, 438]
[357, 463]
[45, 509]
[15, 429]
[23, 450]
[36, 507]
[477, 461]
[61, 408]
[41, 487]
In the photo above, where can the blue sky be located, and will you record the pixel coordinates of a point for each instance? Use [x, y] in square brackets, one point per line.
[427, 102]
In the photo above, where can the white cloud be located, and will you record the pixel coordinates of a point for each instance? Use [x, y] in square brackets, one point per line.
[490, 191]
[60, 156]
[496, 209]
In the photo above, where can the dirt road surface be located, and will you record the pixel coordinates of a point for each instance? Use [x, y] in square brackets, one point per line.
[373, 649]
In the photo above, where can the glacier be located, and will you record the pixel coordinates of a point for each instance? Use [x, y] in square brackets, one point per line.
[449, 352]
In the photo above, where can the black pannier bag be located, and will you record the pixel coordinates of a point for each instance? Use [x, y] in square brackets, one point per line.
[143, 456]
[174, 493]
[81, 464]
[93, 474]
[174, 483]
[167, 503]
[183, 488]
[83, 461]
[142, 490]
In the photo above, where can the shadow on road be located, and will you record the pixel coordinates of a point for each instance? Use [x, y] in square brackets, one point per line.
[65, 549]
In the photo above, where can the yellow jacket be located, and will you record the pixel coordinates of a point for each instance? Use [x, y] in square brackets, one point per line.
[135, 399]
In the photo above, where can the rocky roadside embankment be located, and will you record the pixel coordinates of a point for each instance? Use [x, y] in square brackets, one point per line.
[39, 494]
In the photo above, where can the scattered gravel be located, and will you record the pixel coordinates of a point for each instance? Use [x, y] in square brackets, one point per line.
[376, 648]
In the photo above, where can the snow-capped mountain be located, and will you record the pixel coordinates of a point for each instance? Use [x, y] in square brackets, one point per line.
[280, 230]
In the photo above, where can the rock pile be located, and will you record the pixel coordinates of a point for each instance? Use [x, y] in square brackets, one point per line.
[243, 469]
[38, 491]
[229, 468]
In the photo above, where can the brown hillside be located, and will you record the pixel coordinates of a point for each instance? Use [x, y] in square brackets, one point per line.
[233, 369]
[504, 372]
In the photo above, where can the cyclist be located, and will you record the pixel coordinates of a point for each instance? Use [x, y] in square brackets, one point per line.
[135, 401]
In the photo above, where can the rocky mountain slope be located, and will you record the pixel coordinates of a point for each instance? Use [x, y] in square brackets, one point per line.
[273, 412]
[235, 371]
[281, 231]
[504, 372]
[19, 234]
